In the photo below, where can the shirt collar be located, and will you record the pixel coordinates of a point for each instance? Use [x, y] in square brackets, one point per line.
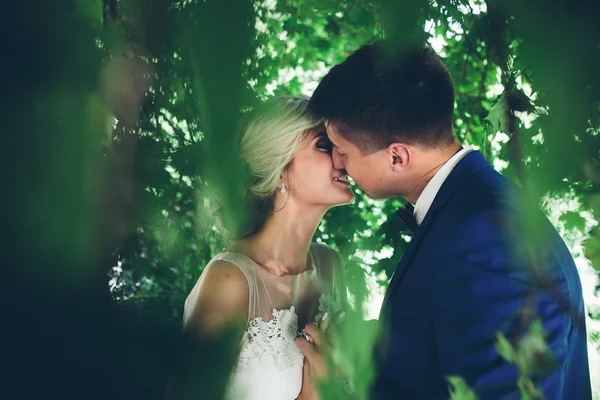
[426, 198]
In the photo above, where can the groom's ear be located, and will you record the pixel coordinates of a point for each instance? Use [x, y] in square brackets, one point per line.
[399, 155]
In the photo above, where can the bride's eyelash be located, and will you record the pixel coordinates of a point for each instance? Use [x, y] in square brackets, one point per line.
[324, 145]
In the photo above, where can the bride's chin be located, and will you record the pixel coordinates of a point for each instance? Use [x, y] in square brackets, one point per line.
[341, 197]
[349, 198]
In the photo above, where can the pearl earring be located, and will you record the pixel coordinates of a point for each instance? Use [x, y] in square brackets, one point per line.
[283, 189]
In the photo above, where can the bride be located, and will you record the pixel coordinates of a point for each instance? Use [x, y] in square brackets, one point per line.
[273, 279]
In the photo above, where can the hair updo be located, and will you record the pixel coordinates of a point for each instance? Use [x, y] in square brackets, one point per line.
[270, 137]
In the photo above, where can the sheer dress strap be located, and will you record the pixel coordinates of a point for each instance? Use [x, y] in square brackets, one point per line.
[258, 294]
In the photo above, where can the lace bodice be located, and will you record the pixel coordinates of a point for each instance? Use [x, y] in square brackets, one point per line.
[269, 363]
[266, 342]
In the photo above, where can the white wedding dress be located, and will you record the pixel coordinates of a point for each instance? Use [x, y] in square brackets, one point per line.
[269, 365]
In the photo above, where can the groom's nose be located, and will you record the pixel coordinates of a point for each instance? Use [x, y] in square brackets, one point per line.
[337, 160]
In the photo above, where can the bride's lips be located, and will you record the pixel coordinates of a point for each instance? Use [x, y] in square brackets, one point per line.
[341, 179]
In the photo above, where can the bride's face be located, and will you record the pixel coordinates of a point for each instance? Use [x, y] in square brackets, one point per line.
[311, 177]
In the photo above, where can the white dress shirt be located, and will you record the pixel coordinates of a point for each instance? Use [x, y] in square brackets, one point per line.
[426, 198]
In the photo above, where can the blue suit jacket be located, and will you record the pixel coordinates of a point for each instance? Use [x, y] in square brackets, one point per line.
[468, 273]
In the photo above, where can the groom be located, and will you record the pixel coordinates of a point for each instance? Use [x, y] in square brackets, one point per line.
[475, 266]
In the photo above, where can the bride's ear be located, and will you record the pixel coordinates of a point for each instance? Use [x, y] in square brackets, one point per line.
[399, 156]
[284, 182]
[286, 176]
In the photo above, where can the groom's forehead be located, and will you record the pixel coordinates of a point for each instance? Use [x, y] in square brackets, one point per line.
[332, 138]
[332, 129]
[336, 136]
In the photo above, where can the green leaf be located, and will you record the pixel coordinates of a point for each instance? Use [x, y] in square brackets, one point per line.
[592, 250]
[504, 348]
[459, 390]
[498, 115]
[528, 390]
[536, 357]
[573, 220]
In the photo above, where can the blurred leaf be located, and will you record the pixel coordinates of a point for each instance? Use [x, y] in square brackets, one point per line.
[91, 9]
[459, 390]
[528, 389]
[504, 348]
[536, 357]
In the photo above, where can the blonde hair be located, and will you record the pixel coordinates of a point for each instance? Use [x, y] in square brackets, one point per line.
[271, 136]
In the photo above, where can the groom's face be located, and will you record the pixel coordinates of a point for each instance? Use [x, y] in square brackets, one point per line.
[369, 172]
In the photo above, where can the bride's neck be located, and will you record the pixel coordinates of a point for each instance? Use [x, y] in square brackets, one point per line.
[282, 245]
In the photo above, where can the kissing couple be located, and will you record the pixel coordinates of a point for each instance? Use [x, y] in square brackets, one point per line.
[472, 269]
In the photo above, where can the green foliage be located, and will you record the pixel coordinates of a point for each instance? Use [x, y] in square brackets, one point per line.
[292, 45]
[593, 251]
[531, 356]
[530, 108]
[592, 245]
[353, 353]
[459, 390]
[122, 127]
[206, 64]
[573, 220]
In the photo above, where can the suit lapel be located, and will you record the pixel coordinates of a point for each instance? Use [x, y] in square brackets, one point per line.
[469, 165]
[406, 258]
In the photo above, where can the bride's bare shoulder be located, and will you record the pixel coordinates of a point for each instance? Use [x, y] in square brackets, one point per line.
[225, 275]
[221, 298]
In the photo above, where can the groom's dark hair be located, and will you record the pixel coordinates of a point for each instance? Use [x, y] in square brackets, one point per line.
[380, 95]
